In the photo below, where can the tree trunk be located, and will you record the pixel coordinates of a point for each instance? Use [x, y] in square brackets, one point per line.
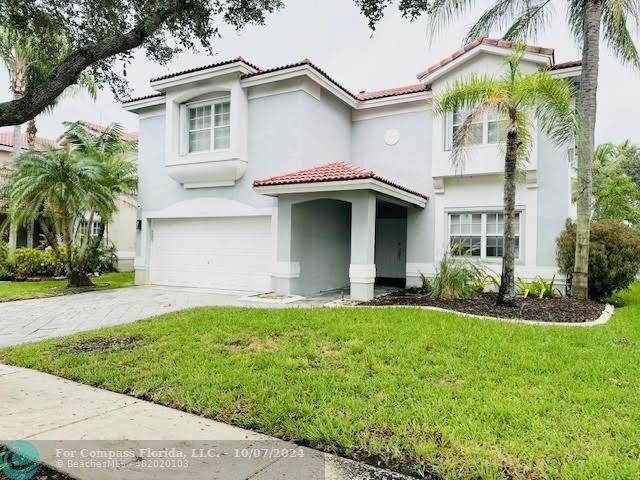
[507, 291]
[586, 106]
[32, 132]
[78, 279]
[18, 80]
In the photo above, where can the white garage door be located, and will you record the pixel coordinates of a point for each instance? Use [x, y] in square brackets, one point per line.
[231, 253]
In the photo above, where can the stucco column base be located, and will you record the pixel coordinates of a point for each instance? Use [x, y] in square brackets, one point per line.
[362, 278]
[284, 276]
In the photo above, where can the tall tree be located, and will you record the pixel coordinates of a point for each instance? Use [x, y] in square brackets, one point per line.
[589, 20]
[517, 98]
[103, 33]
[117, 171]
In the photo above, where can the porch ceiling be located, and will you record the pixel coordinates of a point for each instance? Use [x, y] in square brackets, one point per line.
[336, 176]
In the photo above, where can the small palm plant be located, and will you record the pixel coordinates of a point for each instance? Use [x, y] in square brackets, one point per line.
[517, 98]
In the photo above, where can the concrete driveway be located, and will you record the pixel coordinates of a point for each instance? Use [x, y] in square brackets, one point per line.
[28, 320]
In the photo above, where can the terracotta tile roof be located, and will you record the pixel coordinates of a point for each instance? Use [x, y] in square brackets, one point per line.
[570, 64]
[328, 172]
[6, 140]
[304, 61]
[393, 92]
[143, 97]
[205, 67]
[129, 136]
[495, 42]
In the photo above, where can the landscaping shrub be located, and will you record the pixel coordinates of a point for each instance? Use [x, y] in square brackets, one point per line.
[455, 278]
[539, 287]
[427, 284]
[614, 256]
[7, 269]
[31, 262]
[104, 259]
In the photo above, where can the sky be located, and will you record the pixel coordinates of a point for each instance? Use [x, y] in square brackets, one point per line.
[336, 37]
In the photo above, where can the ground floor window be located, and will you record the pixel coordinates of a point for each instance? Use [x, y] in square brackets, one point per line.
[480, 234]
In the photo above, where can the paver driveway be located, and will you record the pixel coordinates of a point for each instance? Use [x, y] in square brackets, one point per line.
[28, 320]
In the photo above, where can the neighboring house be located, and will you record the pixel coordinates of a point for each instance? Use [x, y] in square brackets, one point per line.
[6, 152]
[121, 231]
[283, 180]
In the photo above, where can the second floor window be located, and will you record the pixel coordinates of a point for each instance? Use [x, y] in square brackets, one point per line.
[488, 129]
[209, 126]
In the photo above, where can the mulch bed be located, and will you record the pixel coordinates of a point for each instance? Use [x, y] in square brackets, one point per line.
[560, 309]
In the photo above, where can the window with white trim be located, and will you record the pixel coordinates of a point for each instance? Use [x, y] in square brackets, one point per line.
[208, 126]
[480, 234]
[95, 228]
[488, 129]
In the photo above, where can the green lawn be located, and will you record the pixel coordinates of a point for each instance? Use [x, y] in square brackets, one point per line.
[10, 291]
[427, 391]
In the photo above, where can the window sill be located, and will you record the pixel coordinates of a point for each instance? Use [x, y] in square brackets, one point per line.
[220, 168]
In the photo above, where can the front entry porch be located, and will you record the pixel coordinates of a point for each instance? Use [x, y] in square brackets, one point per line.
[336, 234]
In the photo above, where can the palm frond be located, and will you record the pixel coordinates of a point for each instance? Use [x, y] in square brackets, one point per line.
[532, 20]
[551, 100]
[464, 94]
[616, 17]
[442, 12]
[519, 18]
[575, 19]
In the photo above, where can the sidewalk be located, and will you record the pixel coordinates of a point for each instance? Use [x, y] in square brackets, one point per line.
[72, 425]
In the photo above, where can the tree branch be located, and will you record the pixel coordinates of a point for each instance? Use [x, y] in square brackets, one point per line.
[67, 73]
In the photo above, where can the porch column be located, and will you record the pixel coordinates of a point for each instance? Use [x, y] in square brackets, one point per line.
[362, 271]
[286, 270]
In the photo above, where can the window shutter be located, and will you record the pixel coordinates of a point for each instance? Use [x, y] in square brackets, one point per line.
[448, 131]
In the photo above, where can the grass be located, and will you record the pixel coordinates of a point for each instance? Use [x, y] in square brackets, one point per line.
[428, 392]
[10, 291]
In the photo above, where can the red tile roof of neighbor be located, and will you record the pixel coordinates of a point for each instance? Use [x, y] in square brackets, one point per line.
[495, 42]
[129, 136]
[328, 172]
[6, 140]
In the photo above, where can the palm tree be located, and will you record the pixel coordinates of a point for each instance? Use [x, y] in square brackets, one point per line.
[516, 97]
[586, 18]
[29, 62]
[112, 152]
[57, 187]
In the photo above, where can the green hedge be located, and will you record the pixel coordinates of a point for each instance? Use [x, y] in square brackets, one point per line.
[35, 262]
[614, 256]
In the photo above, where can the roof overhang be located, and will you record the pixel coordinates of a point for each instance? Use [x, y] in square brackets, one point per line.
[144, 102]
[298, 71]
[372, 184]
[542, 59]
[569, 72]
[238, 67]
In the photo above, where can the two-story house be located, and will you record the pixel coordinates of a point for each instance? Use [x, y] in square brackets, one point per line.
[283, 180]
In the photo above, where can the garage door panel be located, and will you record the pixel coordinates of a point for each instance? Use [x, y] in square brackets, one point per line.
[222, 253]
